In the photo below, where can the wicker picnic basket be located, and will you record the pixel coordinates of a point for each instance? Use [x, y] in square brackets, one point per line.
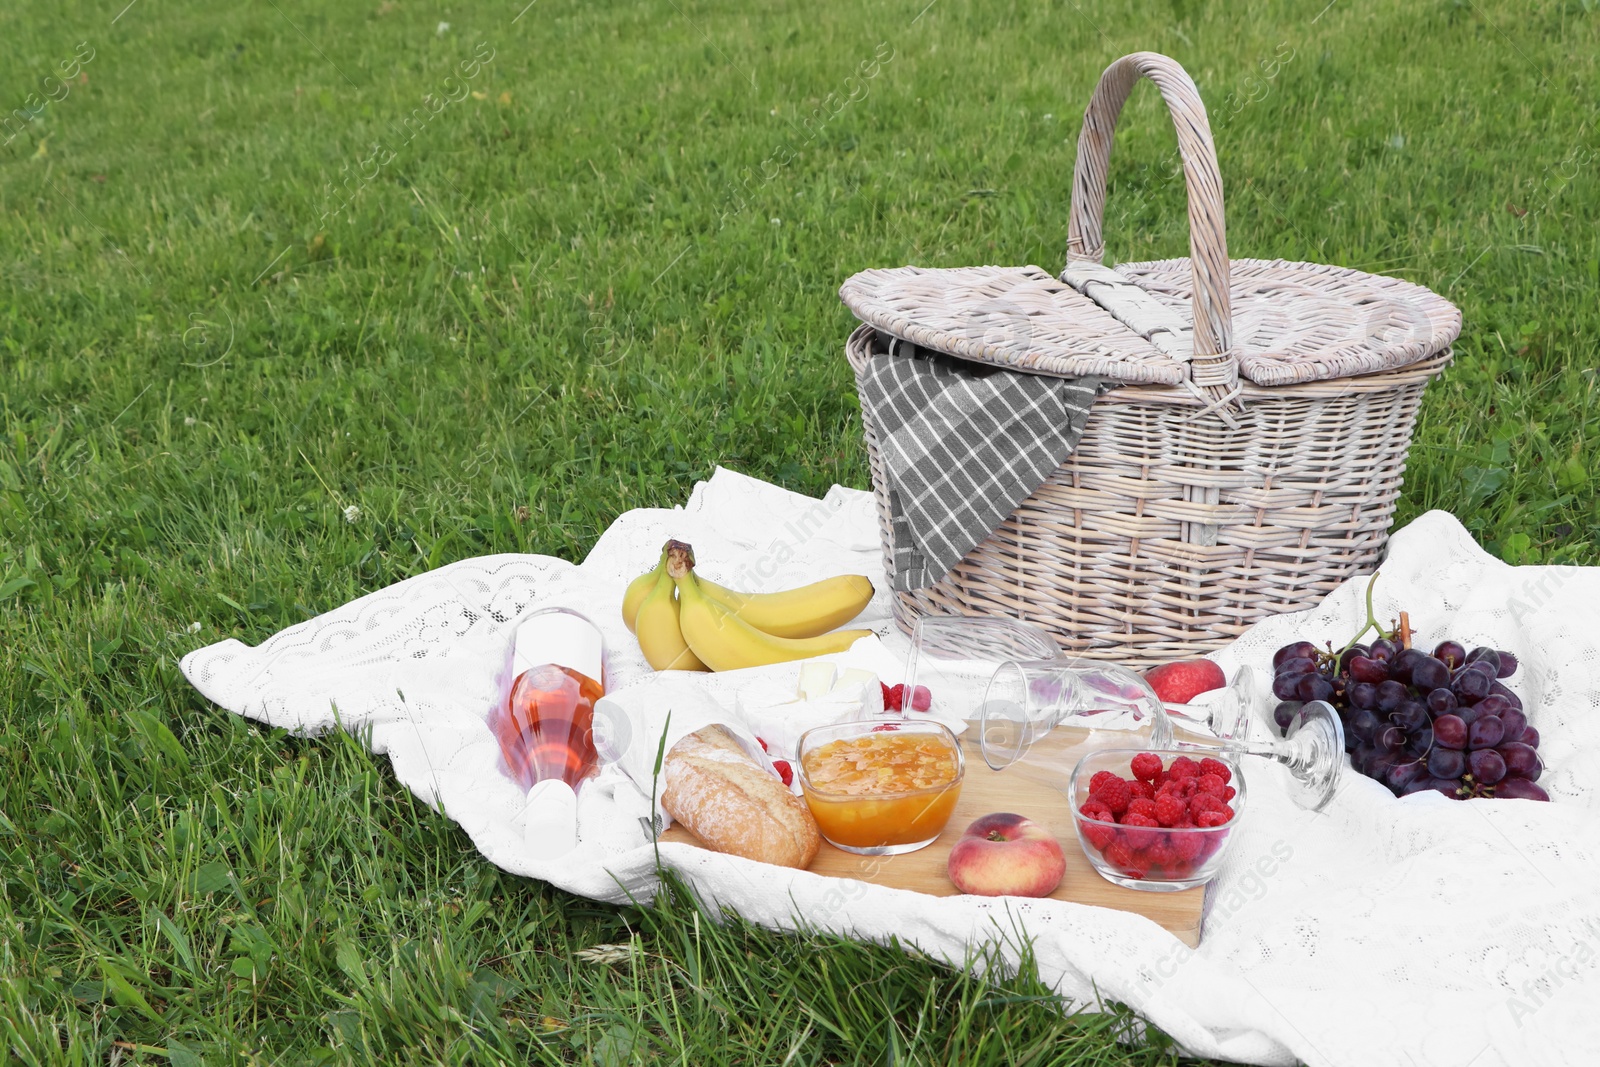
[1248, 462]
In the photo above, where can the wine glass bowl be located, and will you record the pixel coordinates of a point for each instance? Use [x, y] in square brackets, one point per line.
[1025, 700]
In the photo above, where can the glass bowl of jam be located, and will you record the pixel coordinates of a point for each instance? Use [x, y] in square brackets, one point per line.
[880, 787]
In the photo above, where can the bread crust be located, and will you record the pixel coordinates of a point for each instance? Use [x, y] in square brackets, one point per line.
[733, 804]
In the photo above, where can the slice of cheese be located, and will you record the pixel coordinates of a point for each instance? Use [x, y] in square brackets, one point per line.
[816, 679]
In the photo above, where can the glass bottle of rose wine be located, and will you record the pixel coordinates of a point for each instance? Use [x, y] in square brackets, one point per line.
[546, 728]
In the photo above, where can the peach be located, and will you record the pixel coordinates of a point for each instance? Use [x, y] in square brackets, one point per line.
[1006, 855]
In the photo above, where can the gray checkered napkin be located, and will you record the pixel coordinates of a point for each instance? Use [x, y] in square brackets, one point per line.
[964, 444]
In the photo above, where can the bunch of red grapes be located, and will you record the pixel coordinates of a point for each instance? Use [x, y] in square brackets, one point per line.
[1415, 721]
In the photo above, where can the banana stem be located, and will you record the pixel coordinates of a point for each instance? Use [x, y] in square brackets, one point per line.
[680, 559]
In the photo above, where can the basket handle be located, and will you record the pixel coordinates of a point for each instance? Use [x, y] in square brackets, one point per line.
[1214, 362]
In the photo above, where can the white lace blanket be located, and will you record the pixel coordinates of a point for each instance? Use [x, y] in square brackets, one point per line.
[1417, 932]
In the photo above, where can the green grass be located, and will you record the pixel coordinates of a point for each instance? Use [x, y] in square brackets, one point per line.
[572, 297]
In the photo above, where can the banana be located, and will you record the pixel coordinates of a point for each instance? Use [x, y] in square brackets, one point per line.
[804, 612]
[640, 588]
[724, 641]
[660, 639]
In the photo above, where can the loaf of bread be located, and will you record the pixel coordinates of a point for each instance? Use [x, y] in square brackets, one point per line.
[733, 804]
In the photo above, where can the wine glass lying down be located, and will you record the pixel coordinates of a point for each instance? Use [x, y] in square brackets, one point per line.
[1025, 700]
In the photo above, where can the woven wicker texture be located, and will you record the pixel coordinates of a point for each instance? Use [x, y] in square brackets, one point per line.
[1190, 511]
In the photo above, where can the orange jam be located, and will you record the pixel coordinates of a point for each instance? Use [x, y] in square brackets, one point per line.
[887, 788]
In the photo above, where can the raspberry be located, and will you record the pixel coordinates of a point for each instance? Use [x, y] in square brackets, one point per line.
[1161, 854]
[1097, 834]
[1101, 778]
[1210, 783]
[1209, 819]
[1141, 789]
[1120, 856]
[784, 771]
[921, 698]
[1183, 767]
[882, 726]
[1201, 803]
[1228, 793]
[1216, 767]
[1188, 846]
[762, 742]
[1169, 810]
[1140, 806]
[895, 698]
[1227, 811]
[1141, 830]
[1093, 809]
[1115, 795]
[1146, 765]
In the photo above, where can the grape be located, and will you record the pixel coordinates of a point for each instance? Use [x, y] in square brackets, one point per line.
[1298, 665]
[1508, 665]
[1428, 674]
[1520, 789]
[1487, 766]
[1349, 654]
[1391, 695]
[1362, 695]
[1283, 715]
[1285, 685]
[1390, 739]
[1364, 725]
[1420, 743]
[1363, 669]
[1530, 737]
[1410, 716]
[1522, 761]
[1484, 654]
[1361, 757]
[1441, 701]
[1450, 732]
[1470, 685]
[1296, 650]
[1494, 705]
[1446, 763]
[1469, 714]
[1487, 732]
[1451, 653]
[1501, 691]
[1404, 662]
[1403, 774]
[1450, 787]
[1382, 649]
[1313, 687]
[1516, 724]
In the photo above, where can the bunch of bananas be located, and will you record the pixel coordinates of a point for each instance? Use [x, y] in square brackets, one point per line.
[687, 623]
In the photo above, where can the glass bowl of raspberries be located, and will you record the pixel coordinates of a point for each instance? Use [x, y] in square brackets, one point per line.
[1156, 819]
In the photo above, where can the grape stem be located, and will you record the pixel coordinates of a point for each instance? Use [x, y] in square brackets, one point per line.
[1371, 623]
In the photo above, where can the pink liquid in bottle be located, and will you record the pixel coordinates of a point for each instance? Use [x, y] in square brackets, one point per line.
[546, 728]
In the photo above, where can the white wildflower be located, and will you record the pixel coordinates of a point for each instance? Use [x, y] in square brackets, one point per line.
[189, 420]
[194, 627]
[352, 513]
[776, 222]
[443, 28]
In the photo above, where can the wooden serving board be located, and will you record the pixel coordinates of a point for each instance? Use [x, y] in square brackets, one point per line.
[1039, 797]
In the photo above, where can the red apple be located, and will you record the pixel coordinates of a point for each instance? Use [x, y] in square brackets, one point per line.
[1181, 682]
[1004, 855]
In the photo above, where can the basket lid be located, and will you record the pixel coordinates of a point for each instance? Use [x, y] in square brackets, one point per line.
[1017, 317]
